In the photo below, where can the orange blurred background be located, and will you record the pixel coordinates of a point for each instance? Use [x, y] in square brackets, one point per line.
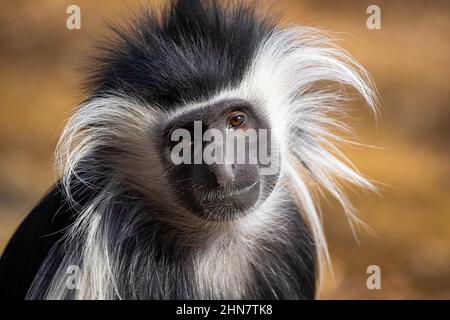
[409, 59]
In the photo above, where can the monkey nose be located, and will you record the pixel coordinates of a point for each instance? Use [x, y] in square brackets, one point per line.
[224, 174]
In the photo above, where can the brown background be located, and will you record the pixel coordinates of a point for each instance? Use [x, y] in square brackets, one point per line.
[409, 60]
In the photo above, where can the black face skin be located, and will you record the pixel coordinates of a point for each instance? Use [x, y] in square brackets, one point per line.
[219, 191]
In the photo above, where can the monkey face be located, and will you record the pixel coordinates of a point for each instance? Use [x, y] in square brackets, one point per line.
[215, 157]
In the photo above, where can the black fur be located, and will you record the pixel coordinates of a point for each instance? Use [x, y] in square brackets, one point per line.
[32, 242]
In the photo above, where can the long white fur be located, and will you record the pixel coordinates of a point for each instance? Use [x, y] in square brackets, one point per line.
[287, 68]
[284, 80]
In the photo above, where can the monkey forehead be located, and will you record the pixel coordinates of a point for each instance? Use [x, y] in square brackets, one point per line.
[189, 52]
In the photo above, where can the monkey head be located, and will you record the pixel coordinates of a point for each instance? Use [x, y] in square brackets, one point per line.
[220, 158]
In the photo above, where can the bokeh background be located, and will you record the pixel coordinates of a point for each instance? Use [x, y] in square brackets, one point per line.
[409, 59]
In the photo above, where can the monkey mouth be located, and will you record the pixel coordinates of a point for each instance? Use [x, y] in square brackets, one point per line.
[228, 203]
[230, 193]
[245, 190]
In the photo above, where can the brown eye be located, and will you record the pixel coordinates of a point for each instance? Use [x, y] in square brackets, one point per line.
[236, 119]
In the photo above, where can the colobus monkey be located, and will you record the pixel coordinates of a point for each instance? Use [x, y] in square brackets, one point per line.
[128, 222]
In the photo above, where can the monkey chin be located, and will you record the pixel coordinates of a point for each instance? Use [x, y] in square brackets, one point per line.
[227, 204]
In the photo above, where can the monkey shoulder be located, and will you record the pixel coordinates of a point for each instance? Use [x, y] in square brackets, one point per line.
[32, 242]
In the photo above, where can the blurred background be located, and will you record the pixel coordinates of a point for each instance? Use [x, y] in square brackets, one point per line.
[409, 59]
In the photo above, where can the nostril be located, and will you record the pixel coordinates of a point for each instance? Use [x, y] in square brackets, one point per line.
[224, 174]
[206, 177]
